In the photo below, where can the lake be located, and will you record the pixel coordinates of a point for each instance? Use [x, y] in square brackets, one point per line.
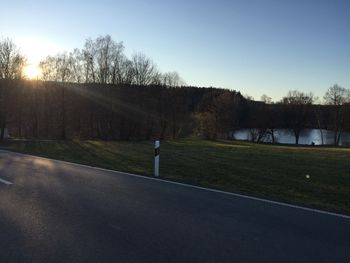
[307, 137]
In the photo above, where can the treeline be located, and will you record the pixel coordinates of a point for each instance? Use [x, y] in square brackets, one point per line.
[102, 60]
[297, 112]
[99, 93]
[55, 110]
[58, 110]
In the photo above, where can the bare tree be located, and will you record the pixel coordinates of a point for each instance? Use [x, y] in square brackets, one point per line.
[126, 71]
[103, 60]
[248, 97]
[266, 99]
[144, 70]
[47, 68]
[120, 67]
[63, 69]
[171, 79]
[89, 64]
[12, 61]
[103, 48]
[338, 97]
[76, 66]
[297, 111]
[57, 68]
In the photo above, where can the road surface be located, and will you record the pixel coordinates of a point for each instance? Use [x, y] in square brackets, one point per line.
[52, 211]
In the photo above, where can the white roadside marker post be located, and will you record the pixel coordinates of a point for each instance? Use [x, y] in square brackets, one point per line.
[156, 158]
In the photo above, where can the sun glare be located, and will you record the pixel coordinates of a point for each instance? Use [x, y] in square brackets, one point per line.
[32, 71]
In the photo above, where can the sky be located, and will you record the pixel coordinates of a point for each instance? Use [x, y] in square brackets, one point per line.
[253, 46]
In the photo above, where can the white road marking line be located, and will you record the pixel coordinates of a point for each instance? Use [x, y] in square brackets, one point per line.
[195, 187]
[5, 182]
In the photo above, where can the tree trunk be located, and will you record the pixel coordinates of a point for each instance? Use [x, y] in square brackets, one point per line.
[297, 135]
[273, 136]
[63, 124]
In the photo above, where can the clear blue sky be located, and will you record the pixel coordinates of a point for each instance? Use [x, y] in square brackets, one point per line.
[255, 46]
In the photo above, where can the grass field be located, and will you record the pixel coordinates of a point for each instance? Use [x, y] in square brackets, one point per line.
[270, 171]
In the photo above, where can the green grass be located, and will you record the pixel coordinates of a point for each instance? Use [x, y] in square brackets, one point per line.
[274, 172]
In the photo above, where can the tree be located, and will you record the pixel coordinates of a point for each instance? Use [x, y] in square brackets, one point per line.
[266, 99]
[171, 79]
[257, 119]
[125, 74]
[248, 97]
[47, 68]
[103, 61]
[297, 111]
[336, 95]
[58, 68]
[319, 119]
[338, 98]
[144, 70]
[76, 66]
[109, 56]
[62, 66]
[12, 61]
[220, 114]
[89, 64]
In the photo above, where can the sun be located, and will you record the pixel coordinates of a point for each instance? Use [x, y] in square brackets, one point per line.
[32, 71]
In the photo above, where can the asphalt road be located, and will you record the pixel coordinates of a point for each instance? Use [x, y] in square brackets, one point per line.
[60, 212]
